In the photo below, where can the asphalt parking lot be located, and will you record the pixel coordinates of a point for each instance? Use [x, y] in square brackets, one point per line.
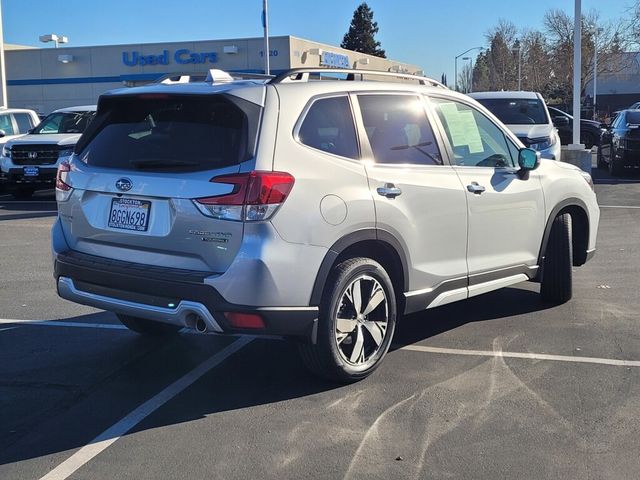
[499, 386]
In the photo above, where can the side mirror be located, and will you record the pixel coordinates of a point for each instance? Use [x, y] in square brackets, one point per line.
[528, 159]
[561, 121]
[3, 133]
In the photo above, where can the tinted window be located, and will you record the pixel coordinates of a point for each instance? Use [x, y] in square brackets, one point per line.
[514, 111]
[328, 126]
[475, 140]
[171, 133]
[24, 121]
[6, 124]
[398, 129]
[65, 122]
[633, 118]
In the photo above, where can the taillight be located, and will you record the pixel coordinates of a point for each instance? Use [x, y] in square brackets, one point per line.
[63, 189]
[255, 196]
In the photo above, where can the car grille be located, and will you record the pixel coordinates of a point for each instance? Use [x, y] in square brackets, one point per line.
[35, 154]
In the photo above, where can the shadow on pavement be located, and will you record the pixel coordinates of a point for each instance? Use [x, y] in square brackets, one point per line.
[263, 373]
[603, 177]
[507, 302]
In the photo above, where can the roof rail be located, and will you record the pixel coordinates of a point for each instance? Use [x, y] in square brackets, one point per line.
[184, 77]
[303, 74]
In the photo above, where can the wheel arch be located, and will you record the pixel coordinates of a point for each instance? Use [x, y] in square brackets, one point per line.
[578, 211]
[379, 245]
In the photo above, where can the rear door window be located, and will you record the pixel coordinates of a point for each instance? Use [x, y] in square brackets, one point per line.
[24, 121]
[171, 132]
[328, 126]
[398, 129]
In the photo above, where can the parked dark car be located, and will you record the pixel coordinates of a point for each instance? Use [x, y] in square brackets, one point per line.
[620, 144]
[590, 130]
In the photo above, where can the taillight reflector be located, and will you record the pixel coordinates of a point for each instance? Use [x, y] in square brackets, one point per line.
[244, 320]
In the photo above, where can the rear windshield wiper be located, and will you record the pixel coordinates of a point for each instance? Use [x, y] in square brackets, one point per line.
[153, 162]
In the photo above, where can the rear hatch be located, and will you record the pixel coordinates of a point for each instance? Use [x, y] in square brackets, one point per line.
[141, 164]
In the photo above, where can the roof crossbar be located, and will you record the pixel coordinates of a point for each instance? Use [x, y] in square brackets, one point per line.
[303, 75]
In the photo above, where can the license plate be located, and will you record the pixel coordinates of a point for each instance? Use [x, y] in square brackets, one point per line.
[31, 171]
[129, 214]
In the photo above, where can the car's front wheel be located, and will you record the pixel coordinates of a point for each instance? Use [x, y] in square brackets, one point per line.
[602, 165]
[356, 323]
[615, 169]
[147, 327]
[588, 140]
[557, 274]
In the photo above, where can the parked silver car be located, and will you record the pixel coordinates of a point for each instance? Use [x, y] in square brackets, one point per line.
[317, 210]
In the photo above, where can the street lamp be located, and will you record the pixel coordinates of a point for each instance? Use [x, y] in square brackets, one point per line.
[519, 49]
[470, 66]
[52, 37]
[455, 79]
[596, 32]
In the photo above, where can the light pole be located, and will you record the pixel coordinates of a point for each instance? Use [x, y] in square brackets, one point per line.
[455, 62]
[52, 37]
[265, 26]
[3, 82]
[577, 70]
[596, 32]
[470, 81]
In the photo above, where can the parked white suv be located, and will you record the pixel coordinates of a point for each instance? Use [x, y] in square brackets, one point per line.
[29, 162]
[321, 211]
[526, 115]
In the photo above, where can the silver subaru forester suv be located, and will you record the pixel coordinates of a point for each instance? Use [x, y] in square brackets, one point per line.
[320, 211]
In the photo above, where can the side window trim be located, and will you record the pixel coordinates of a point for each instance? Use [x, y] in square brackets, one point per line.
[508, 135]
[305, 111]
[366, 150]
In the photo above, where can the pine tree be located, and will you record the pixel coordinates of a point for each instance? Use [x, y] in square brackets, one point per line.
[360, 37]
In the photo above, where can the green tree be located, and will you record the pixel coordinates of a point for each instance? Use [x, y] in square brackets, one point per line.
[361, 34]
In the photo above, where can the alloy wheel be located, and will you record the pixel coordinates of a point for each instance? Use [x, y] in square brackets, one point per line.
[362, 320]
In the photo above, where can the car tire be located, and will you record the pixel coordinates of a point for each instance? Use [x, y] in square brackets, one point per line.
[147, 327]
[602, 165]
[23, 193]
[614, 167]
[557, 274]
[357, 318]
[588, 140]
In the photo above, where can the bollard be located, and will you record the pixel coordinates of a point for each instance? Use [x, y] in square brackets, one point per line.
[580, 157]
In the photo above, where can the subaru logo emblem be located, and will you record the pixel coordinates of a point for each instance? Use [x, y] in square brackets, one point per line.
[32, 155]
[124, 184]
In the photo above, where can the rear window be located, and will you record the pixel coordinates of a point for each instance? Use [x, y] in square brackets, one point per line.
[65, 122]
[516, 111]
[171, 133]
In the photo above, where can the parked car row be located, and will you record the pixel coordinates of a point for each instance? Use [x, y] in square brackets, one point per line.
[33, 149]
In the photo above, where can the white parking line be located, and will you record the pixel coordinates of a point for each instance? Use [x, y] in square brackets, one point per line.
[617, 206]
[528, 356]
[113, 433]
[57, 323]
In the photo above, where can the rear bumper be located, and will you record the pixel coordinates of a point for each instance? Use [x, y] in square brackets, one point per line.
[166, 295]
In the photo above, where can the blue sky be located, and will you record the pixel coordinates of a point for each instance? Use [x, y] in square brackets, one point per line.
[429, 33]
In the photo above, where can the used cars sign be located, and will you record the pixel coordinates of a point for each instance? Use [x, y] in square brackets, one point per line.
[182, 56]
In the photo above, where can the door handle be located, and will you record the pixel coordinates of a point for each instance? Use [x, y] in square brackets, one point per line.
[474, 187]
[389, 190]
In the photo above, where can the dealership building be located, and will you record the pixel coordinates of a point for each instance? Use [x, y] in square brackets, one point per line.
[44, 79]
